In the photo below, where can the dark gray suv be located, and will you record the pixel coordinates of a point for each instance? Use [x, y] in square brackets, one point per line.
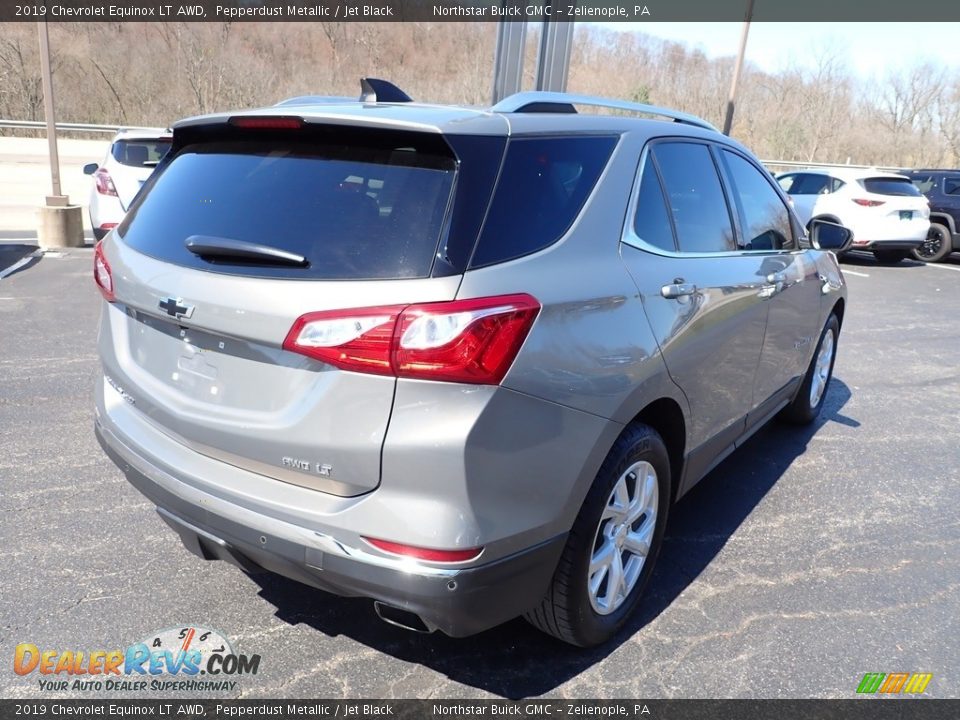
[458, 361]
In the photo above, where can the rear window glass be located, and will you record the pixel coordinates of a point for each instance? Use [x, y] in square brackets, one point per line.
[890, 186]
[139, 153]
[951, 186]
[542, 188]
[353, 212]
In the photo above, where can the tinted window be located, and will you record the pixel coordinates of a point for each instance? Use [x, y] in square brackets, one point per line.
[924, 183]
[890, 186]
[951, 186]
[812, 184]
[542, 188]
[139, 153]
[765, 220]
[351, 211]
[695, 197]
[786, 182]
[652, 223]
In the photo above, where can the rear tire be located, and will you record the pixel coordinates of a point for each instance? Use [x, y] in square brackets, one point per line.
[613, 545]
[890, 257]
[937, 246]
[813, 390]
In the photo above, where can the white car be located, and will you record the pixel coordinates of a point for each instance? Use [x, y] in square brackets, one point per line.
[886, 212]
[131, 159]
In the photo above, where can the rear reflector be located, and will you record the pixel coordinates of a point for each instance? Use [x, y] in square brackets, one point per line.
[101, 273]
[267, 123]
[107, 226]
[419, 553]
[469, 341]
[868, 203]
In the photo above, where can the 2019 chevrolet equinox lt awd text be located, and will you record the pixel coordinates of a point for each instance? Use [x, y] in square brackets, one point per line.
[458, 361]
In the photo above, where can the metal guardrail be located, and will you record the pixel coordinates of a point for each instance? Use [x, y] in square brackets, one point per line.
[82, 127]
[801, 164]
[71, 127]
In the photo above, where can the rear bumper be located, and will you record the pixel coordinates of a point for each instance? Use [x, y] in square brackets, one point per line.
[457, 601]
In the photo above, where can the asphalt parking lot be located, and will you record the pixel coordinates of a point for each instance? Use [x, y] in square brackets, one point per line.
[805, 560]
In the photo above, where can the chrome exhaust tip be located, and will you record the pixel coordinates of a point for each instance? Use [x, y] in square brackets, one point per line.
[401, 618]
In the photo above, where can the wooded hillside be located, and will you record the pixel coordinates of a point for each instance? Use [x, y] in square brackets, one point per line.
[154, 73]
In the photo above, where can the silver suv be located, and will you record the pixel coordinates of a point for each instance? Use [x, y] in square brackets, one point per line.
[458, 361]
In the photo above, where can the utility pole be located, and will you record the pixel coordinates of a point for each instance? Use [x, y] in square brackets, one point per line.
[732, 99]
[56, 197]
[59, 224]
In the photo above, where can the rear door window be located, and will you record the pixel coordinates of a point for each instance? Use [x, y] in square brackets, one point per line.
[352, 211]
[652, 221]
[951, 186]
[812, 184]
[900, 187]
[695, 196]
[542, 188]
[140, 153]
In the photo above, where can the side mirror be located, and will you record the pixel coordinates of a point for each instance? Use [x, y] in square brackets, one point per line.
[830, 236]
[90, 168]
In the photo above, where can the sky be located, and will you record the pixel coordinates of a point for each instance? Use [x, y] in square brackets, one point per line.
[868, 48]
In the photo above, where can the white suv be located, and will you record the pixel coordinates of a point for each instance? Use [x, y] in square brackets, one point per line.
[132, 157]
[886, 212]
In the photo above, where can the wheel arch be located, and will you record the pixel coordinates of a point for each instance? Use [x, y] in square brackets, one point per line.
[944, 219]
[838, 309]
[666, 417]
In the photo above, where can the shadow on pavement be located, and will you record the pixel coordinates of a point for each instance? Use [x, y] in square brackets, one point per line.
[11, 254]
[516, 661]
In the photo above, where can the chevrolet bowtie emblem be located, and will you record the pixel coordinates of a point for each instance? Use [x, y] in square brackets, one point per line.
[175, 307]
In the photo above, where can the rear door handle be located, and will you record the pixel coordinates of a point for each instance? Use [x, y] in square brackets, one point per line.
[678, 290]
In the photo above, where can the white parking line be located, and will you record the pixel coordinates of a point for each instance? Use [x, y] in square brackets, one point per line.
[854, 272]
[943, 267]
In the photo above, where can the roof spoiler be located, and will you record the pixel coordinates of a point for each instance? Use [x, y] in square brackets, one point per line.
[374, 90]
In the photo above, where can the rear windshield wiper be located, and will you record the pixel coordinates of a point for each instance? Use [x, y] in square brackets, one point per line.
[220, 248]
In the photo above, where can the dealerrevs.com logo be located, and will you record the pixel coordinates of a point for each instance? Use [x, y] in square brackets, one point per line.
[187, 658]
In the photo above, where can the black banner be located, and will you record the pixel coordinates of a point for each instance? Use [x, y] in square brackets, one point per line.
[859, 709]
[475, 10]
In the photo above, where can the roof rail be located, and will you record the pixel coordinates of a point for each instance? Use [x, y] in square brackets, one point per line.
[557, 102]
[315, 100]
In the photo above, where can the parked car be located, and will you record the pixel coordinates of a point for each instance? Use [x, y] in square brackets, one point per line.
[886, 213]
[131, 159]
[942, 190]
[458, 361]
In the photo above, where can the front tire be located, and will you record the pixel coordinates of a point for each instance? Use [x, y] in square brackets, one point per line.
[937, 246]
[813, 391]
[613, 545]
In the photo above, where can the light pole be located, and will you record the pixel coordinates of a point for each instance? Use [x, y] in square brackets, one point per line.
[60, 224]
[732, 98]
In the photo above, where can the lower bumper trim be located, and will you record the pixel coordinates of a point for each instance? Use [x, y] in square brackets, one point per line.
[458, 602]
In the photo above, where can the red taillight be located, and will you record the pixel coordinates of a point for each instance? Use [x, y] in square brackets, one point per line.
[101, 273]
[469, 341]
[267, 123]
[104, 182]
[107, 226]
[430, 554]
[359, 340]
[868, 203]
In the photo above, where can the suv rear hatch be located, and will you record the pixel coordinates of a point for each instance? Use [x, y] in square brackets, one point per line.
[244, 230]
